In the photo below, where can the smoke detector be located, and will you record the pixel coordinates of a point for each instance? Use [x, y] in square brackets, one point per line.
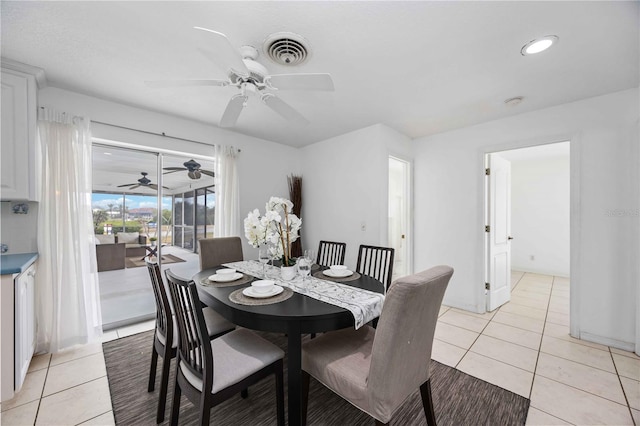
[286, 48]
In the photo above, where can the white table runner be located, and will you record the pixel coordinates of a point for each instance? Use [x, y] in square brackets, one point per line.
[365, 305]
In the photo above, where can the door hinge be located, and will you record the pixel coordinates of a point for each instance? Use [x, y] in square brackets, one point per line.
[487, 286]
[487, 172]
[487, 228]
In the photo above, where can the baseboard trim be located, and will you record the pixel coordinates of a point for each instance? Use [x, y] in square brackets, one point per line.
[618, 344]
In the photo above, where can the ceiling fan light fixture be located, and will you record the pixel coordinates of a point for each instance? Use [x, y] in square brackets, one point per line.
[539, 45]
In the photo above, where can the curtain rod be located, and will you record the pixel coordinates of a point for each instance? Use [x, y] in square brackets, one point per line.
[153, 133]
[148, 132]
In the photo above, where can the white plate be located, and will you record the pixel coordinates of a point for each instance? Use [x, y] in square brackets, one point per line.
[250, 292]
[224, 278]
[334, 274]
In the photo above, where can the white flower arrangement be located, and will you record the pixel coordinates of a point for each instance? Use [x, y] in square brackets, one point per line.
[278, 227]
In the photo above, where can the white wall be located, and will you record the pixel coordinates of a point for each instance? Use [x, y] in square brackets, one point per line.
[262, 165]
[18, 231]
[604, 177]
[345, 182]
[540, 215]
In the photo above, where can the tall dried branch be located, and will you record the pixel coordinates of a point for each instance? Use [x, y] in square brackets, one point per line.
[295, 195]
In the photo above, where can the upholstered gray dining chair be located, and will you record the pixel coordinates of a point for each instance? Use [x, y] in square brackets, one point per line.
[166, 331]
[216, 251]
[239, 358]
[331, 253]
[376, 262]
[378, 369]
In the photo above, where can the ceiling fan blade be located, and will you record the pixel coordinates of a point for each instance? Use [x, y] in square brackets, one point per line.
[128, 184]
[153, 186]
[226, 55]
[233, 110]
[301, 82]
[185, 83]
[284, 109]
[207, 172]
[175, 169]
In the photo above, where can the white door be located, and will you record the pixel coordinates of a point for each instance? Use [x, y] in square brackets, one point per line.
[498, 235]
[399, 179]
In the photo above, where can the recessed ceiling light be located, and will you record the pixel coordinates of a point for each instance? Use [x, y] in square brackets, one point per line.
[106, 153]
[538, 45]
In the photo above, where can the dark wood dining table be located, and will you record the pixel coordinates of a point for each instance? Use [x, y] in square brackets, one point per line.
[295, 316]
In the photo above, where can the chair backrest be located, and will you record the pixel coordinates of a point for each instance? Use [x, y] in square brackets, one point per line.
[376, 262]
[331, 253]
[194, 349]
[216, 251]
[164, 321]
[401, 351]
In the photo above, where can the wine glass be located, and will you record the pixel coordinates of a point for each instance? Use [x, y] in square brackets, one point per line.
[264, 256]
[310, 255]
[304, 267]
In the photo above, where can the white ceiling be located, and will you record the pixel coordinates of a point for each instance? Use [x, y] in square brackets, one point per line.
[419, 67]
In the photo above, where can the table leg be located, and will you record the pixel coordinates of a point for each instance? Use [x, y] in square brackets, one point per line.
[294, 374]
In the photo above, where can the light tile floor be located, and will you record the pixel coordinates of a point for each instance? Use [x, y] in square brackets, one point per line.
[524, 347]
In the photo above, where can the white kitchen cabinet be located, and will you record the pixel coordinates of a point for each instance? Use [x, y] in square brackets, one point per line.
[19, 109]
[25, 323]
[17, 329]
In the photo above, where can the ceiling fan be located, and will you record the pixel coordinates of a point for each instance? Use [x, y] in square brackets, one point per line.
[193, 169]
[249, 76]
[143, 181]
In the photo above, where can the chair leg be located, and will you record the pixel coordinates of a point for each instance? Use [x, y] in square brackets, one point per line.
[175, 405]
[427, 402]
[280, 394]
[305, 396]
[152, 371]
[164, 385]
[244, 393]
[205, 409]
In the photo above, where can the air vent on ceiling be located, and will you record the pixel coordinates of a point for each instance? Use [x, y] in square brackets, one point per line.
[286, 48]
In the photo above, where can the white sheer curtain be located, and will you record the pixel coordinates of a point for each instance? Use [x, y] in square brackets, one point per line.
[227, 212]
[67, 293]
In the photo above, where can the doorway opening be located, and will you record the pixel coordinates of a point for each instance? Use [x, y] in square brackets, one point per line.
[399, 218]
[527, 217]
[145, 203]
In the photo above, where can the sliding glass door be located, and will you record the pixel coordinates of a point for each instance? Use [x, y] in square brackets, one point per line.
[145, 203]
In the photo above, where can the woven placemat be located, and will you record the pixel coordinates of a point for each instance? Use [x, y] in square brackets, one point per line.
[322, 276]
[241, 299]
[244, 280]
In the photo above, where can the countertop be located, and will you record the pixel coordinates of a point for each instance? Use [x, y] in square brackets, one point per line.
[16, 263]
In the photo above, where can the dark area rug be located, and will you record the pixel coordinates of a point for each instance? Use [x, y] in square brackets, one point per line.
[459, 399]
[135, 262]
